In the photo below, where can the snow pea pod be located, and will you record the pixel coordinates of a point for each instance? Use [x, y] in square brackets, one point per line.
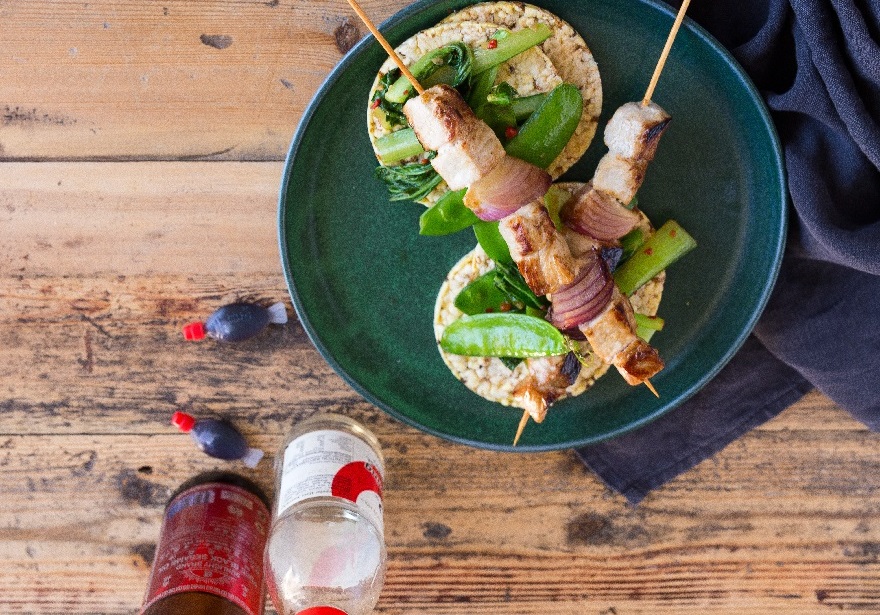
[482, 295]
[490, 239]
[503, 335]
[448, 215]
[547, 131]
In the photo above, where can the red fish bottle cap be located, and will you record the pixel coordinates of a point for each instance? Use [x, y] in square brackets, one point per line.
[183, 421]
[194, 331]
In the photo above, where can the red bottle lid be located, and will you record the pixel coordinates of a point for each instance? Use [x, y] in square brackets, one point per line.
[322, 610]
[194, 331]
[183, 421]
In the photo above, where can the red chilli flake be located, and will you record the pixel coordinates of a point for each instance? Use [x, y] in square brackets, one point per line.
[649, 251]
[375, 104]
[673, 233]
[510, 132]
[492, 44]
[505, 307]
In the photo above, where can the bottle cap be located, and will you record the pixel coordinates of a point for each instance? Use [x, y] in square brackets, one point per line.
[183, 421]
[194, 331]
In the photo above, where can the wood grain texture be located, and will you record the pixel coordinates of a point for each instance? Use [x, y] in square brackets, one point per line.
[140, 158]
[111, 80]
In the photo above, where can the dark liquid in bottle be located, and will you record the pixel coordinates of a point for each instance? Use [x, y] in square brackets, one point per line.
[210, 552]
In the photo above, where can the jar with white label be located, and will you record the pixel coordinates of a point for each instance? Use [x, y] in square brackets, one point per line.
[326, 549]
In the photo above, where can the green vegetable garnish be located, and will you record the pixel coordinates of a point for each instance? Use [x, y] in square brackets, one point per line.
[393, 112]
[511, 282]
[546, 133]
[503, 335]
[647, 326]
[490, 239]
[631, 242]
[409, 181]
[508, 46]
[456, 60]
[661, 249]
[554, 199]
[481, 295]
[523, 107]
[399, 145]
[448, 215]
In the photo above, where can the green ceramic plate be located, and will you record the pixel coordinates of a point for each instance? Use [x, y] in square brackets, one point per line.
[364, 282]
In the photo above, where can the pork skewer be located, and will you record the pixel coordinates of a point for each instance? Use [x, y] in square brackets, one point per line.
[470, 155]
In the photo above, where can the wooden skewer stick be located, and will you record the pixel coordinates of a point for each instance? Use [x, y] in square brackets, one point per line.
[651, 388]
[386, 46]
[662, 61]
[522, 425]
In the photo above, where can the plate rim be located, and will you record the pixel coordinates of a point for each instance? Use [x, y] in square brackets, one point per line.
[766, 290]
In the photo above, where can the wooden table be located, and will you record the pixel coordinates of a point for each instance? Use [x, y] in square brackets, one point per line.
[142, 146]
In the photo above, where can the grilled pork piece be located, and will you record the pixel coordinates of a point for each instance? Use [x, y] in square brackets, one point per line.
[466, 147]
[619, 177]
[632, 135]
[634, 130]
[613, 338]
[538, 249]
[548, 379]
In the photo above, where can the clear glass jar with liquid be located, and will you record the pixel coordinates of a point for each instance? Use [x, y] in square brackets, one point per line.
[326, 549]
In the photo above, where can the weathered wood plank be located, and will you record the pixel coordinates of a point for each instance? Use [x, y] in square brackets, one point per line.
[143, 218]
[221, 79]
[544, 538]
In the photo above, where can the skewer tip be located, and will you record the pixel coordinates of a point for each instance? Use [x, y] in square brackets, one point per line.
[651, 388]
[522, 425]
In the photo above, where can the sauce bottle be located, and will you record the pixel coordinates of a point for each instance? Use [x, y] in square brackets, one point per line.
[209, 555]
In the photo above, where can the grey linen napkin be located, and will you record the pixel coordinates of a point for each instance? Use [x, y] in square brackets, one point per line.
[817, 64]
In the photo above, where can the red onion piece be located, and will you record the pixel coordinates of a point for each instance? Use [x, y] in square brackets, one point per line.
[510, 185]
[585, 298]
[601, 216]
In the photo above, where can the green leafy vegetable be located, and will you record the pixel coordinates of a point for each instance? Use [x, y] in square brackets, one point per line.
[524, 106]
[450, 64]
[510, 281]
[490, 239]
[448, 215]
[409, 181]
[393, 111]
[481, 295]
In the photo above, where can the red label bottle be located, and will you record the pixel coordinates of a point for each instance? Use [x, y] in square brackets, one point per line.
[209, 559]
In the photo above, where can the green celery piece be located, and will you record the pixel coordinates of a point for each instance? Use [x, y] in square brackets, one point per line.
[655, 323]
[509, 46]
[396, 146]
[647, 326]
[503, 335]
[645, 333]
[661, 249]
[631, 242]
